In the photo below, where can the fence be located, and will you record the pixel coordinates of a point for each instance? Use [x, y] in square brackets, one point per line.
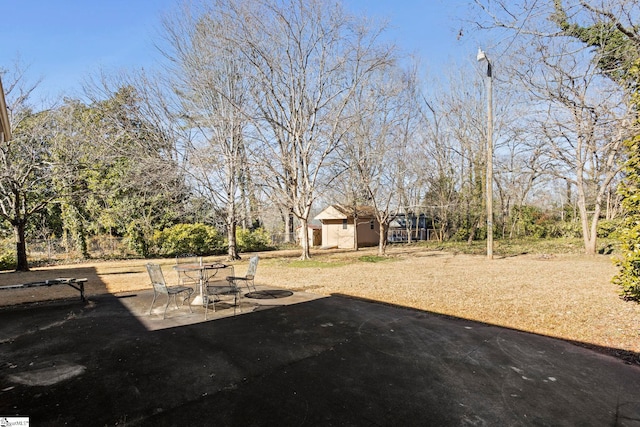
[116, 247]
[66, 248]
[280, 238]
[402, 235]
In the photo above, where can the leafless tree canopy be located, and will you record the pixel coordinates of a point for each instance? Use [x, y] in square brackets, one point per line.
[277, 105]
[578, 112]
[268, 83]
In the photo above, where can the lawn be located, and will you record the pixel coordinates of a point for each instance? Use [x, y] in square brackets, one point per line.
[564, 294]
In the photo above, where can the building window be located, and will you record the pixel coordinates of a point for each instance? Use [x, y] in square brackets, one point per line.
[344, 224]
[371, 224]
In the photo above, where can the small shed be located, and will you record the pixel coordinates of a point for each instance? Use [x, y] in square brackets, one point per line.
[339, 225]
[315, 235]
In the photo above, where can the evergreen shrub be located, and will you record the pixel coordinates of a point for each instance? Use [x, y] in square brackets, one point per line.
[628, 278]
[196, 239]
[253, 240]
[7, 260]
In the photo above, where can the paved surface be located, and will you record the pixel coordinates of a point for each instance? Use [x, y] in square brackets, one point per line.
[319, 361]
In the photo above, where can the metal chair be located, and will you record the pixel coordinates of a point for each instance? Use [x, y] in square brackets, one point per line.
[188, 278]
[216, 287]
[160, 287]
[249, 277]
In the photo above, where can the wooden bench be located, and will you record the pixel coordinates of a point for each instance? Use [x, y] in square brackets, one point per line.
[77, 284]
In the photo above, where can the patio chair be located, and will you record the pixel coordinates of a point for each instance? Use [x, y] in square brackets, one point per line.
[248, 278]
[160, 287]
[217, 287]
[188, 278]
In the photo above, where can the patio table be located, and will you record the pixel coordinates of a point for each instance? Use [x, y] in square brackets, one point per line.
[203, 272]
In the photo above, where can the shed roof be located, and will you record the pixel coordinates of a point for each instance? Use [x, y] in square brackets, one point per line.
[345, 212]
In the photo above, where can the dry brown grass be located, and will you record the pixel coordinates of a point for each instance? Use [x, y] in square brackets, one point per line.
[564, 296]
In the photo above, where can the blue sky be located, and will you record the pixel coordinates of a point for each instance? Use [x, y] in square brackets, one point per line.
[63, 41]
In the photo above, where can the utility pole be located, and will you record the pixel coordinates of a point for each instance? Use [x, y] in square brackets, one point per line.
[483, 57]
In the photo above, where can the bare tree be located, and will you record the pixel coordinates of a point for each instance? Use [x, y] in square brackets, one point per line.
[348, 189]
[463, 127]
[26, 176]
[584, 127]
[413, 182]
[380, 135]
[520, 167]
[575, 107]
[306, 58]
[454, 141]
[212, 85]
[300, 62]
[441, 194]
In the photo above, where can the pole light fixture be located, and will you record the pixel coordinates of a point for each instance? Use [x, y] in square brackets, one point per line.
[5, 126]
[481, 57]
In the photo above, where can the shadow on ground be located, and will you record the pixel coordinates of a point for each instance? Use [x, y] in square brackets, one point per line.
[627, 356]
[326, 361]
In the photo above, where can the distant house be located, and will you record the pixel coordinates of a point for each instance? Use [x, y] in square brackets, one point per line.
[401, 226]
[339, 225]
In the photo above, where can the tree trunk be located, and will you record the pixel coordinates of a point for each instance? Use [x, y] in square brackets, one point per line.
[232, 251]
[288, 228]
[589, 228]
[589, 241]
[382, 243]
[472, 232]
[21, 246]
[408, 225]
[232, 222]
[590, 244]
[589, 233]
[355, 231]
[81, 241]
[304, 239]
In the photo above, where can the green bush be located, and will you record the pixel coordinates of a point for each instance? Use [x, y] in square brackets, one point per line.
[628, 278]
[196, 239]
[533, 222]
[609, 227]
[136, 240]
[253, 240]
[565, 229]
[7, 260]
[461, 235]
